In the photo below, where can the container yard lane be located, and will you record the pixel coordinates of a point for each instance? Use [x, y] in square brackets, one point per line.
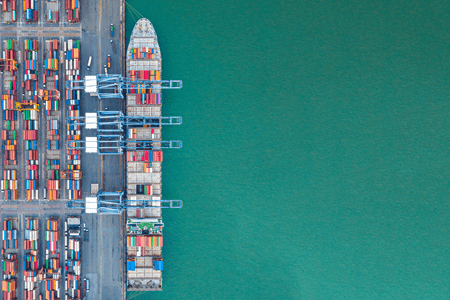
[38, 35]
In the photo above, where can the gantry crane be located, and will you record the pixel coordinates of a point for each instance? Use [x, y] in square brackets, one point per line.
[117, 145]
[26, 106]
[71, 174]
[115, 121]
[115, 203]
[44, 94]
[114, 85]
[4, 62]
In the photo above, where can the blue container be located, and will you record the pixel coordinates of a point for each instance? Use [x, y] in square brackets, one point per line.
[131, 265]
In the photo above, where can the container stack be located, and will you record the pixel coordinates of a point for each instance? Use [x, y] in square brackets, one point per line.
[72, 49]
[10, 254]
[52, 11]
[53, 164]
[31, 154]
[31, 120]
[145, 241]
[145, 96]
[30, 10]
[30, 66]
[146, 156]
[10, 234]
[10, 265]
[51, 76]
[9, 289]
[9, 11]
[52, 291]
[144, 53]
[31, 258]
[73, 257]
[9, 133]
[52, 260]
[73, 10]
[52, 245]
[10, 184]
[72, 63]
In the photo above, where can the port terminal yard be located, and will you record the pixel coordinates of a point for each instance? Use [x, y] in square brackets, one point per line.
[103, 257]
[81, 186]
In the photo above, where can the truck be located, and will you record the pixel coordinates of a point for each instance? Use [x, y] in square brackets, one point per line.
[113, 46]
[89, 62]
[112, 30]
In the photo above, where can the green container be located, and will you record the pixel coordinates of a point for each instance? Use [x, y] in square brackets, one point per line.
[57, 105]
[14, 135]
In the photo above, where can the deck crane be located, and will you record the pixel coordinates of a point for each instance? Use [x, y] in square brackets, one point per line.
[4, 62]
[114, 85]
[114, 203]
[26, 106]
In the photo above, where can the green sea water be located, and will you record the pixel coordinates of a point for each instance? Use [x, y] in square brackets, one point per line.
[316, 147]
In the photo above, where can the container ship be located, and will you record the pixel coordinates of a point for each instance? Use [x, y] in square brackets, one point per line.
[144, 224]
